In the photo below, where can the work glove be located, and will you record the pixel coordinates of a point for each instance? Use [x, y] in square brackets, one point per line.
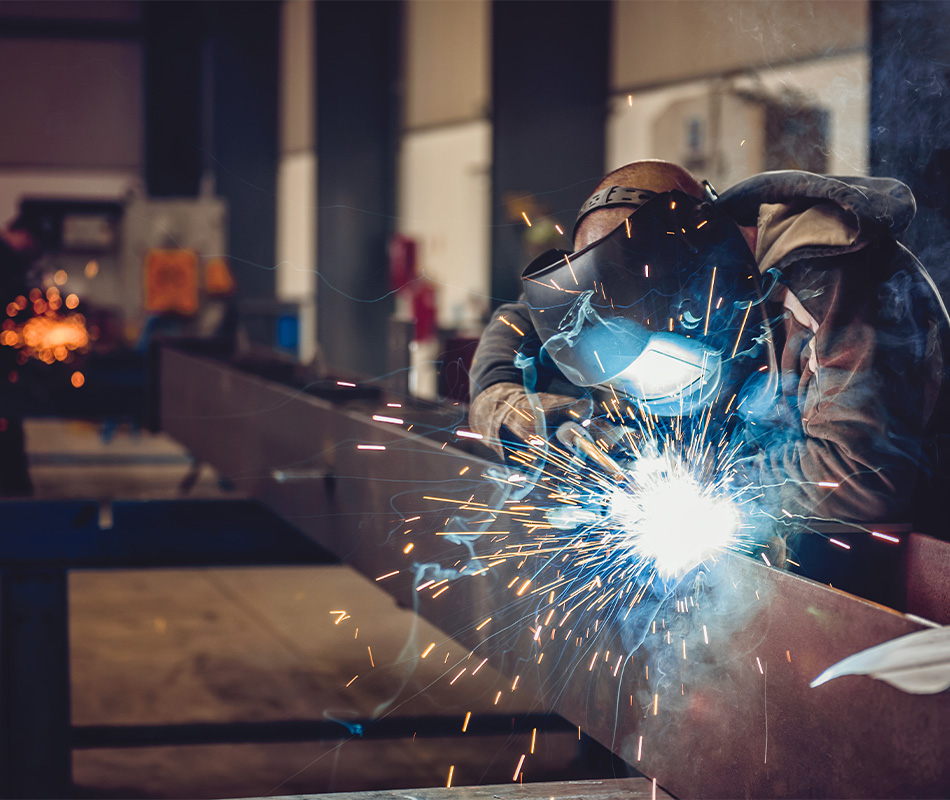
[503, 411]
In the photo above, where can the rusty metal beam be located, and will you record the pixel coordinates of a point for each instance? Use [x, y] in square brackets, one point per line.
[732, 717]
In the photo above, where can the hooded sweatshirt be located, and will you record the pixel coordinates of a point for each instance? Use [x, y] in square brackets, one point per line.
[859, 333]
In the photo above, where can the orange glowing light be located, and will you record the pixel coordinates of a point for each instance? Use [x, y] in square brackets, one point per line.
[52, 292]
[12, 309]
[92, 269]
[46, 333]
[49, 337]
[60, 277]
[72, 301]
[21, 301]
[35, 294]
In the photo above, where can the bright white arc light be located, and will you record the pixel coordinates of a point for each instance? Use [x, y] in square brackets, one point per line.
[669, 519]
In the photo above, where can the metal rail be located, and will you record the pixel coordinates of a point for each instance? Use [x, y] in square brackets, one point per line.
[734, 717]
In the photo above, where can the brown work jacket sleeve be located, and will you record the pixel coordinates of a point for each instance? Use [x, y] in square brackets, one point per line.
[509, 331]
[857, 383]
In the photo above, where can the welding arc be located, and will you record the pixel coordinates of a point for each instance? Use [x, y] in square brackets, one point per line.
[572, 435]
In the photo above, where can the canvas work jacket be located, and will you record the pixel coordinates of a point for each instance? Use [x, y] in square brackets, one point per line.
[859, 334]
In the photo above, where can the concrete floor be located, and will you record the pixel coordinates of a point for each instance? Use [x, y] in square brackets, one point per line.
[226, 645]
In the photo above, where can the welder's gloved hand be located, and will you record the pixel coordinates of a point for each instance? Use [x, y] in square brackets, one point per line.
[618, 439]
[776, 551]
[503, 412]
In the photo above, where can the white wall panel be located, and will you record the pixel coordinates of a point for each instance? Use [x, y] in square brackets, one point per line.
[839, 85]
[296, 278]
[448, 69]
[296, 229]
[444, 204]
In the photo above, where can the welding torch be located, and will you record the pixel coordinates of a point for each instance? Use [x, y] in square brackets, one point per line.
[573, 436]
[578, 440]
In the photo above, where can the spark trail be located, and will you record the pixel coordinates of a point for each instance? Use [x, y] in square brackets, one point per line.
[591, 538]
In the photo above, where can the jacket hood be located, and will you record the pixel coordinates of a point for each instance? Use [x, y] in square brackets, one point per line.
[876, 206]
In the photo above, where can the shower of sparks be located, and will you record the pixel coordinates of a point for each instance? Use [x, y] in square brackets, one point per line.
[595, 534]
[592, 539]
[39, 327]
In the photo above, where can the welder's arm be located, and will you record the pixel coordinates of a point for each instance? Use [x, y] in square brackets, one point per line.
[857, 390]
[501, 408]
[509, 331]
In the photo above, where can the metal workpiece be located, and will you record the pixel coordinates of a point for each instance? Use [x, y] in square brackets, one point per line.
[705, 691]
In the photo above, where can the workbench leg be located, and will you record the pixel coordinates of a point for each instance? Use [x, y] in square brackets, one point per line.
[35, 757]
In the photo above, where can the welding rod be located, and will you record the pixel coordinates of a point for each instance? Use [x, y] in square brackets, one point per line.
[572, 435]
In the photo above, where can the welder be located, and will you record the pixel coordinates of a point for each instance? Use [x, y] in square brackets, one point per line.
[786, 304]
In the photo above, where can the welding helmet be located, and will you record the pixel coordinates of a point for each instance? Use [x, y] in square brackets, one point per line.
[658, 310]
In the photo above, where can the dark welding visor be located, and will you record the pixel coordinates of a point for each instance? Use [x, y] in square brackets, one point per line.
[654, 307]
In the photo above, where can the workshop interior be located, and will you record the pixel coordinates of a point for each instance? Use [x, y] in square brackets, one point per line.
[251, 542]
